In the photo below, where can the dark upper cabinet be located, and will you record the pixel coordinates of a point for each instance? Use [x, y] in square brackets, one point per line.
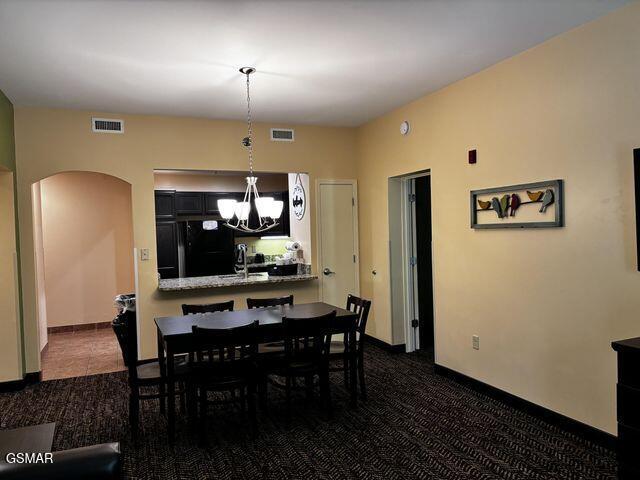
[189, 203]
[167, 248]
[165, 204]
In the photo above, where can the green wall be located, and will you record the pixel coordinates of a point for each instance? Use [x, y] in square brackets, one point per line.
[8, 162]
[7, 145]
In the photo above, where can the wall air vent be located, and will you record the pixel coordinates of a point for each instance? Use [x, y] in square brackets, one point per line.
[282, 135]
[107, 125]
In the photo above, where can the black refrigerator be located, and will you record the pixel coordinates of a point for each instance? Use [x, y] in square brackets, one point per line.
[207, 251]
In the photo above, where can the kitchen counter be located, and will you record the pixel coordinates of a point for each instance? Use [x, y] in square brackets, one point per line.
[219, 281]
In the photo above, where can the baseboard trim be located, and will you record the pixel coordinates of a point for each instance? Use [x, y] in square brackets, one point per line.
[15, 385]
[570, 425]
[81, 327]
[384, 345]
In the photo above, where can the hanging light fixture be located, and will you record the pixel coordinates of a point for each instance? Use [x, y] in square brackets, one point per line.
[237, 213]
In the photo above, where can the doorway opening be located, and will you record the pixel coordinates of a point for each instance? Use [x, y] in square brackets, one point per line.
[83, 249]
[411, 262]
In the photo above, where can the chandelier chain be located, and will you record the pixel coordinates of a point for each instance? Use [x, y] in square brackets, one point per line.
[249, 129]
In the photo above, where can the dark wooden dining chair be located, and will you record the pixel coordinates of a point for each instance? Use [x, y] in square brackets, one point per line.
[339, 351]
[231, 370]
[306, 355]
[188, 309]
[270, 348]
[144, 375]
[269, 302]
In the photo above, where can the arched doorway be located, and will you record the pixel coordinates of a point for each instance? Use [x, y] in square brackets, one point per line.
[83, 241]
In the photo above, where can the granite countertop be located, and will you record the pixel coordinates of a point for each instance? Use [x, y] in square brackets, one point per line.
[218, 281]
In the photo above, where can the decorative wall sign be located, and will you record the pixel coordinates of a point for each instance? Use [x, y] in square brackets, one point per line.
[530, 205]
[298, 199]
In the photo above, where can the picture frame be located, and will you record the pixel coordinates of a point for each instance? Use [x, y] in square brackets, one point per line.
[508, 220]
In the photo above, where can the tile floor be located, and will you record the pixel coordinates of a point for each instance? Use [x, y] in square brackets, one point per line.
[85, 352]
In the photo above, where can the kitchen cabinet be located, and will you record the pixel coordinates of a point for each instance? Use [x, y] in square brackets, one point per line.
[167, 249]
[189, 203]
[165, 204]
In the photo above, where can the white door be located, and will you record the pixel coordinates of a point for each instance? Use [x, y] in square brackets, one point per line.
[338, 239]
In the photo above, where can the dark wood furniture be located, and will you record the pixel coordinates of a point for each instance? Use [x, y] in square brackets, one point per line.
[172, 205]
[628, 401]
[175, 336]
[269, 302]
[147, 373]
[207, 308]
[306, 355]
[231, 370]
[189, 203]
[167, 248]
[339, 351]
[34, 439]
[165, 204]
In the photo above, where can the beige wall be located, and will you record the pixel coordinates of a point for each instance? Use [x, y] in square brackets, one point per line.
[87, 237]
[545, 303]
[10, 366]
[217, 183]
[50, 141]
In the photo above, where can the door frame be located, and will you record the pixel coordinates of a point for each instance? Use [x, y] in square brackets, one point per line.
[356, 237]
[409, 274]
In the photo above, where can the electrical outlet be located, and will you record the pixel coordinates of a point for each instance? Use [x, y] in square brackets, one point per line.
[144, 254]
[253, 249]
[476, 342]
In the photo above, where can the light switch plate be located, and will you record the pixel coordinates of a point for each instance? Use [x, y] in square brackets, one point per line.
[476, 342]
[144, 254]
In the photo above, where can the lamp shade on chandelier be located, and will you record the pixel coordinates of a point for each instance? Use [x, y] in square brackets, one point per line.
[237, 213]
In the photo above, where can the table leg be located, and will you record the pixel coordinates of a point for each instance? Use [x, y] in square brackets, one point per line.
[163, 372]
[353, 368]
[171, 396]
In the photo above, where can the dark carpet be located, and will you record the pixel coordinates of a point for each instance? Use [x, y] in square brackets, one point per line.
[416, 424]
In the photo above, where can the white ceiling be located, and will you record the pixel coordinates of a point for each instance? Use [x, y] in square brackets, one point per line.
[321, 62]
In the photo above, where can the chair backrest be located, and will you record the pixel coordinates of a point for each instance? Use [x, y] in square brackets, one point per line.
[361, 307]
[314, 333]
[269, 302]
[224, 345]
[124, 326]
[207, 308]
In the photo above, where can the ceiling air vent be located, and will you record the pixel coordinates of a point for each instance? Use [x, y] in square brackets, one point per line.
[282, 135]
[107, 125]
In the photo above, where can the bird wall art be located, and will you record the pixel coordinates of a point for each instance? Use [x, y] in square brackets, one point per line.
[508, 204]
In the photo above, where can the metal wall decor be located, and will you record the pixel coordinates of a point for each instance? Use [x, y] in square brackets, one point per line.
[529, 205]
[298, 199]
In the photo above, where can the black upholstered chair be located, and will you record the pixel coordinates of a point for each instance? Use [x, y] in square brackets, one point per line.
[269, 302]
[339, 352]
[207, 308]
[225, 363]
[306, 355]
[144, 375]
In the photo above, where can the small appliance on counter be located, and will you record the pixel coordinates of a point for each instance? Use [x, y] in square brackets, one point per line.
[259, 258]
[284, 270]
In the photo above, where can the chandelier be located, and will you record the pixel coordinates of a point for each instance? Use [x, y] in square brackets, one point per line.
[237, 213]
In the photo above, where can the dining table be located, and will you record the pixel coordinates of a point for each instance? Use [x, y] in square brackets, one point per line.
[175, 336]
